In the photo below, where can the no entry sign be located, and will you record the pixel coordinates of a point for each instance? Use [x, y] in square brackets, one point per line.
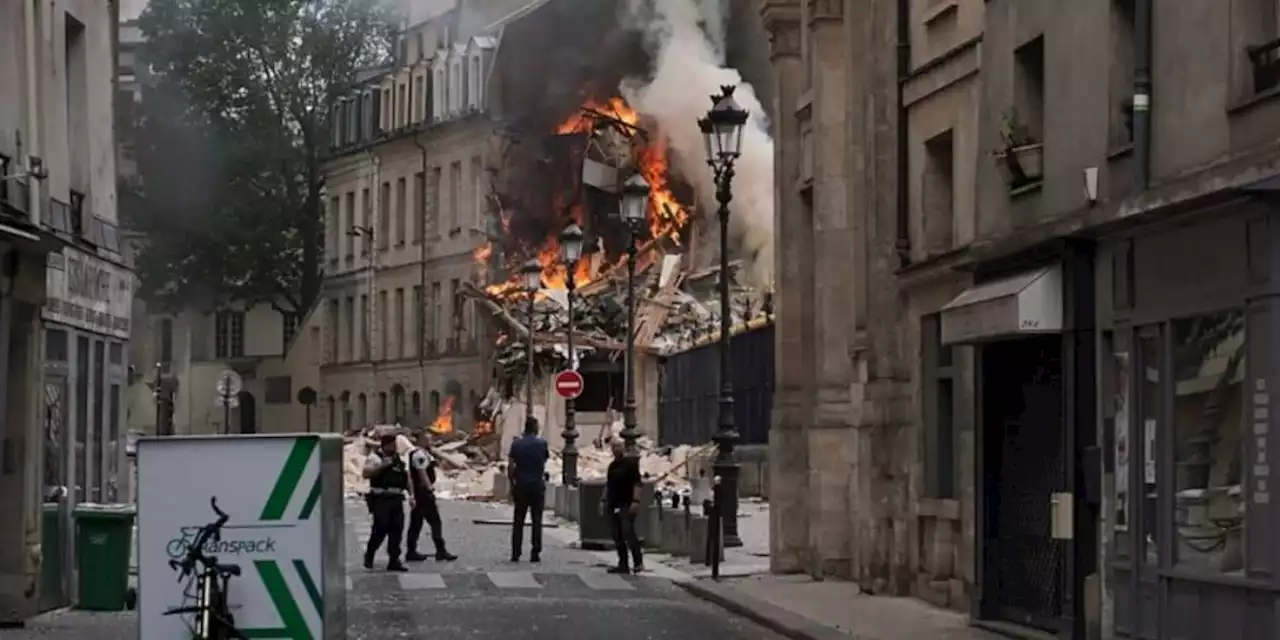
[569, 384]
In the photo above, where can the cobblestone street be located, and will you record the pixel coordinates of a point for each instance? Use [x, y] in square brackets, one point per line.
[482, 594]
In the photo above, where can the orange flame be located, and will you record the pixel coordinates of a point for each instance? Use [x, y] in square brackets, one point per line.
[666, 215]
[444, 418]
[483, 427]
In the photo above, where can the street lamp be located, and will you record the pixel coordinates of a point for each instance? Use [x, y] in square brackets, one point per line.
[722, 133]
[570, 253]
[635, 207]
[531, 275]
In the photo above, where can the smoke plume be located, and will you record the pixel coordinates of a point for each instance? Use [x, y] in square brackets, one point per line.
[686, 39]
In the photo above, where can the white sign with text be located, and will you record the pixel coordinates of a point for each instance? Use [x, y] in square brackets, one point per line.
[88, 293]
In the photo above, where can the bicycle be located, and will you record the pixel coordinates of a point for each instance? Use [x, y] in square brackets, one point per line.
[213, 618]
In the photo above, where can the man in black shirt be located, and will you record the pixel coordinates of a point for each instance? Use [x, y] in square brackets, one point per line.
[621, 501]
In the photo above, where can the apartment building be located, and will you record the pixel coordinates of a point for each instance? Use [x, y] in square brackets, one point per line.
[408, 192]
[1046, 401]
[65, 314]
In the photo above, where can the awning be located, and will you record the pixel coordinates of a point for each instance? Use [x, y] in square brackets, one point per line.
[1026, 304]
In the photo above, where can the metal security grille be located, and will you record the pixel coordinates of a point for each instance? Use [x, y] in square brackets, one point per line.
[689, 391]
[1026, 561]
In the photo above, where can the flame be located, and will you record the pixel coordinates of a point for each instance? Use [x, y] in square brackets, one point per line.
[444, 418]
[666, 215]
[483, 427]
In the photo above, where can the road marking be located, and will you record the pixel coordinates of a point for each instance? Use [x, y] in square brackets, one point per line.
[421, 581]
[605, 581]
[513, 580]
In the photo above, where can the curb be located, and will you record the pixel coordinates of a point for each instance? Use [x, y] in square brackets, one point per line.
[770, 616]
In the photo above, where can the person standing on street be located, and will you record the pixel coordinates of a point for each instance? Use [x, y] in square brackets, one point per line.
[422, 467]
[388, 486]
[621, 502]
[526, 468]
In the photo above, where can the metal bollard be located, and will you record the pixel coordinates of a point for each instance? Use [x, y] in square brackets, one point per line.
[714, 536]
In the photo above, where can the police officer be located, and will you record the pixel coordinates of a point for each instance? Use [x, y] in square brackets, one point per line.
[388, 486]
[422, 468]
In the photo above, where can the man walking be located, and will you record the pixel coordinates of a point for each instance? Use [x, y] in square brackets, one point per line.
[422, 466]
[621, 502]
[388, 485]
[526, 468]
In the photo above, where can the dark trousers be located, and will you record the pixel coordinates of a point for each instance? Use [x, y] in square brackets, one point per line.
[388, 525]
[531, 502]
[623, 522]
[425, 509]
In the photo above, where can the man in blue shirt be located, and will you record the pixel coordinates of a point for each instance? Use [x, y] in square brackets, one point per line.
[526, 468]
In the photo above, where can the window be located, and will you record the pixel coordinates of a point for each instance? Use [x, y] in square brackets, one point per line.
[382, 407]
[388, 110]
[81, 426]
[397, 326]
[366, 211]
[369, 121]
[1209, 381]
[402, 106]
[1028, 87]
[384, 325]
[76, 102]
[98, 451]
[335, 311]
[937, 203]
[228, 335]
[401, 210]
[362, 408]
[416, 400]
[351, 329]
[455, 198]
[384, 216]
[347, 222]
[419, 204]
[455, 87]
[278, 390]
[477, 193]
[1116, 413]
[438, 108]
[1256, 23]
[78, 226]
[477, 81]
[336, 116]
[420, 102]
[164, 340]
[603, 388]
[419, 310]
[938, 374]
[455, 307]
[113, 442]
[1121, 77]
[289, 325]
[365, 326]
[1149, 408]
[434, 330]
[335, 226]
[433, 214]
[56, 345]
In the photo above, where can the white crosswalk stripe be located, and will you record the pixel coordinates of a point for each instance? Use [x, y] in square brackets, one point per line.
[510, 580]
[419, 581]
[513, 580]
[605, 581]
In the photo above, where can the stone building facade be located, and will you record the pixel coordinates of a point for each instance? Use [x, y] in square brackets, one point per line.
[1053, 411]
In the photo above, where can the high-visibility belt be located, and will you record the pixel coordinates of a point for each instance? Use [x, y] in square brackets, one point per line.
[388, 491]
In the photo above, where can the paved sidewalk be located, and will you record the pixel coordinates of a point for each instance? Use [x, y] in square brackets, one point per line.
[804, 609]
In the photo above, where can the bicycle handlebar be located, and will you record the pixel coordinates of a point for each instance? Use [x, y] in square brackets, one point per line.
[195, 551]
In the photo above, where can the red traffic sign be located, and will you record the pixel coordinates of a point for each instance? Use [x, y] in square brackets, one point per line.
[569, 384]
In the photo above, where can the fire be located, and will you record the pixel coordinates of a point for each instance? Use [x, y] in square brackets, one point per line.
[444, 418]
[667, 215]
[483, 427]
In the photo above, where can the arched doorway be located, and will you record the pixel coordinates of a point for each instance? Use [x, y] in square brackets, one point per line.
[248, 412]
[382, 407]
[397, 403]
[417, 407]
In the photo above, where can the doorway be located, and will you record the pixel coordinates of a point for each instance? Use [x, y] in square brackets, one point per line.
[1024, 463]
[248, 413]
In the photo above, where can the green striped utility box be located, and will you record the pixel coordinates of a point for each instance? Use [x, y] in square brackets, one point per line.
[283, 494]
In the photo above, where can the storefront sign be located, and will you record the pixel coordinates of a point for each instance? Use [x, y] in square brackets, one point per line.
[88, 293]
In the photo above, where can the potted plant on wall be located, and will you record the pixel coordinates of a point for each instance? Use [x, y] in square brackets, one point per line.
[1022, 155]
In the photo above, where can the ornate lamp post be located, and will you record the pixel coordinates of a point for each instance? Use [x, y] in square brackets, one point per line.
[531, 274]
[570, 253]
[722, 133]
[635, 206]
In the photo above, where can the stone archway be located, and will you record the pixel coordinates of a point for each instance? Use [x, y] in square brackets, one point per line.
[248, 412]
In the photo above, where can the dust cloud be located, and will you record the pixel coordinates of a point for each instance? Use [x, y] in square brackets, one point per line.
[686, 39]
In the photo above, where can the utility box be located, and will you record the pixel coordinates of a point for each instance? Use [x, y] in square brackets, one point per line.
[595, 529]
[283, 494]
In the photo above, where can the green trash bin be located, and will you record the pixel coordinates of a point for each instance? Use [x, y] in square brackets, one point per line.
[104, 539]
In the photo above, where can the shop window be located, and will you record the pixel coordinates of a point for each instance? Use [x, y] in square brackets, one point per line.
[55, 345]
[81, 425]
[1209, 368]
[1150, 398]
[1116, 408]
[228, 339]
[113, 446]
[98, 451]
[938, 407]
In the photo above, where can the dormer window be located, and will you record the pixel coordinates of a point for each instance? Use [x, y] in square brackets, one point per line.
[456, 86]
[439, 87]
[476, 80]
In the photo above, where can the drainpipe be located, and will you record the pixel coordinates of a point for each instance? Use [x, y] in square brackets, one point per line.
[421, 302]
[1142, 94]
[902, 245]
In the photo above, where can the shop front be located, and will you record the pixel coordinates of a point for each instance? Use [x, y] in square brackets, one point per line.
[86, 331]
[1030, 322]
[1187, 312]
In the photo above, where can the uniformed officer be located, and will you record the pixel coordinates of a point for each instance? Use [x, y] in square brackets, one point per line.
[422, 468]
[388, 486]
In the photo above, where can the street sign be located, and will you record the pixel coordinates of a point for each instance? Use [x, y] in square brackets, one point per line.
[569, 384]
[229, 384]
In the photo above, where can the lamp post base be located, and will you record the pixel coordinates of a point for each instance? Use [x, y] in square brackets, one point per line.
[728, 473]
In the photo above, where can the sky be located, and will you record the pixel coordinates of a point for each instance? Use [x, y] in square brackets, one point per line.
[129, 9]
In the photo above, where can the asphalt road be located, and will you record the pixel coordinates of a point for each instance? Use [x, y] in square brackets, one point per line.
[482, 595]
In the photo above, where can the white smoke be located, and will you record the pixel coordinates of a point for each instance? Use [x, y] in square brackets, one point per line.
[686, 40]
